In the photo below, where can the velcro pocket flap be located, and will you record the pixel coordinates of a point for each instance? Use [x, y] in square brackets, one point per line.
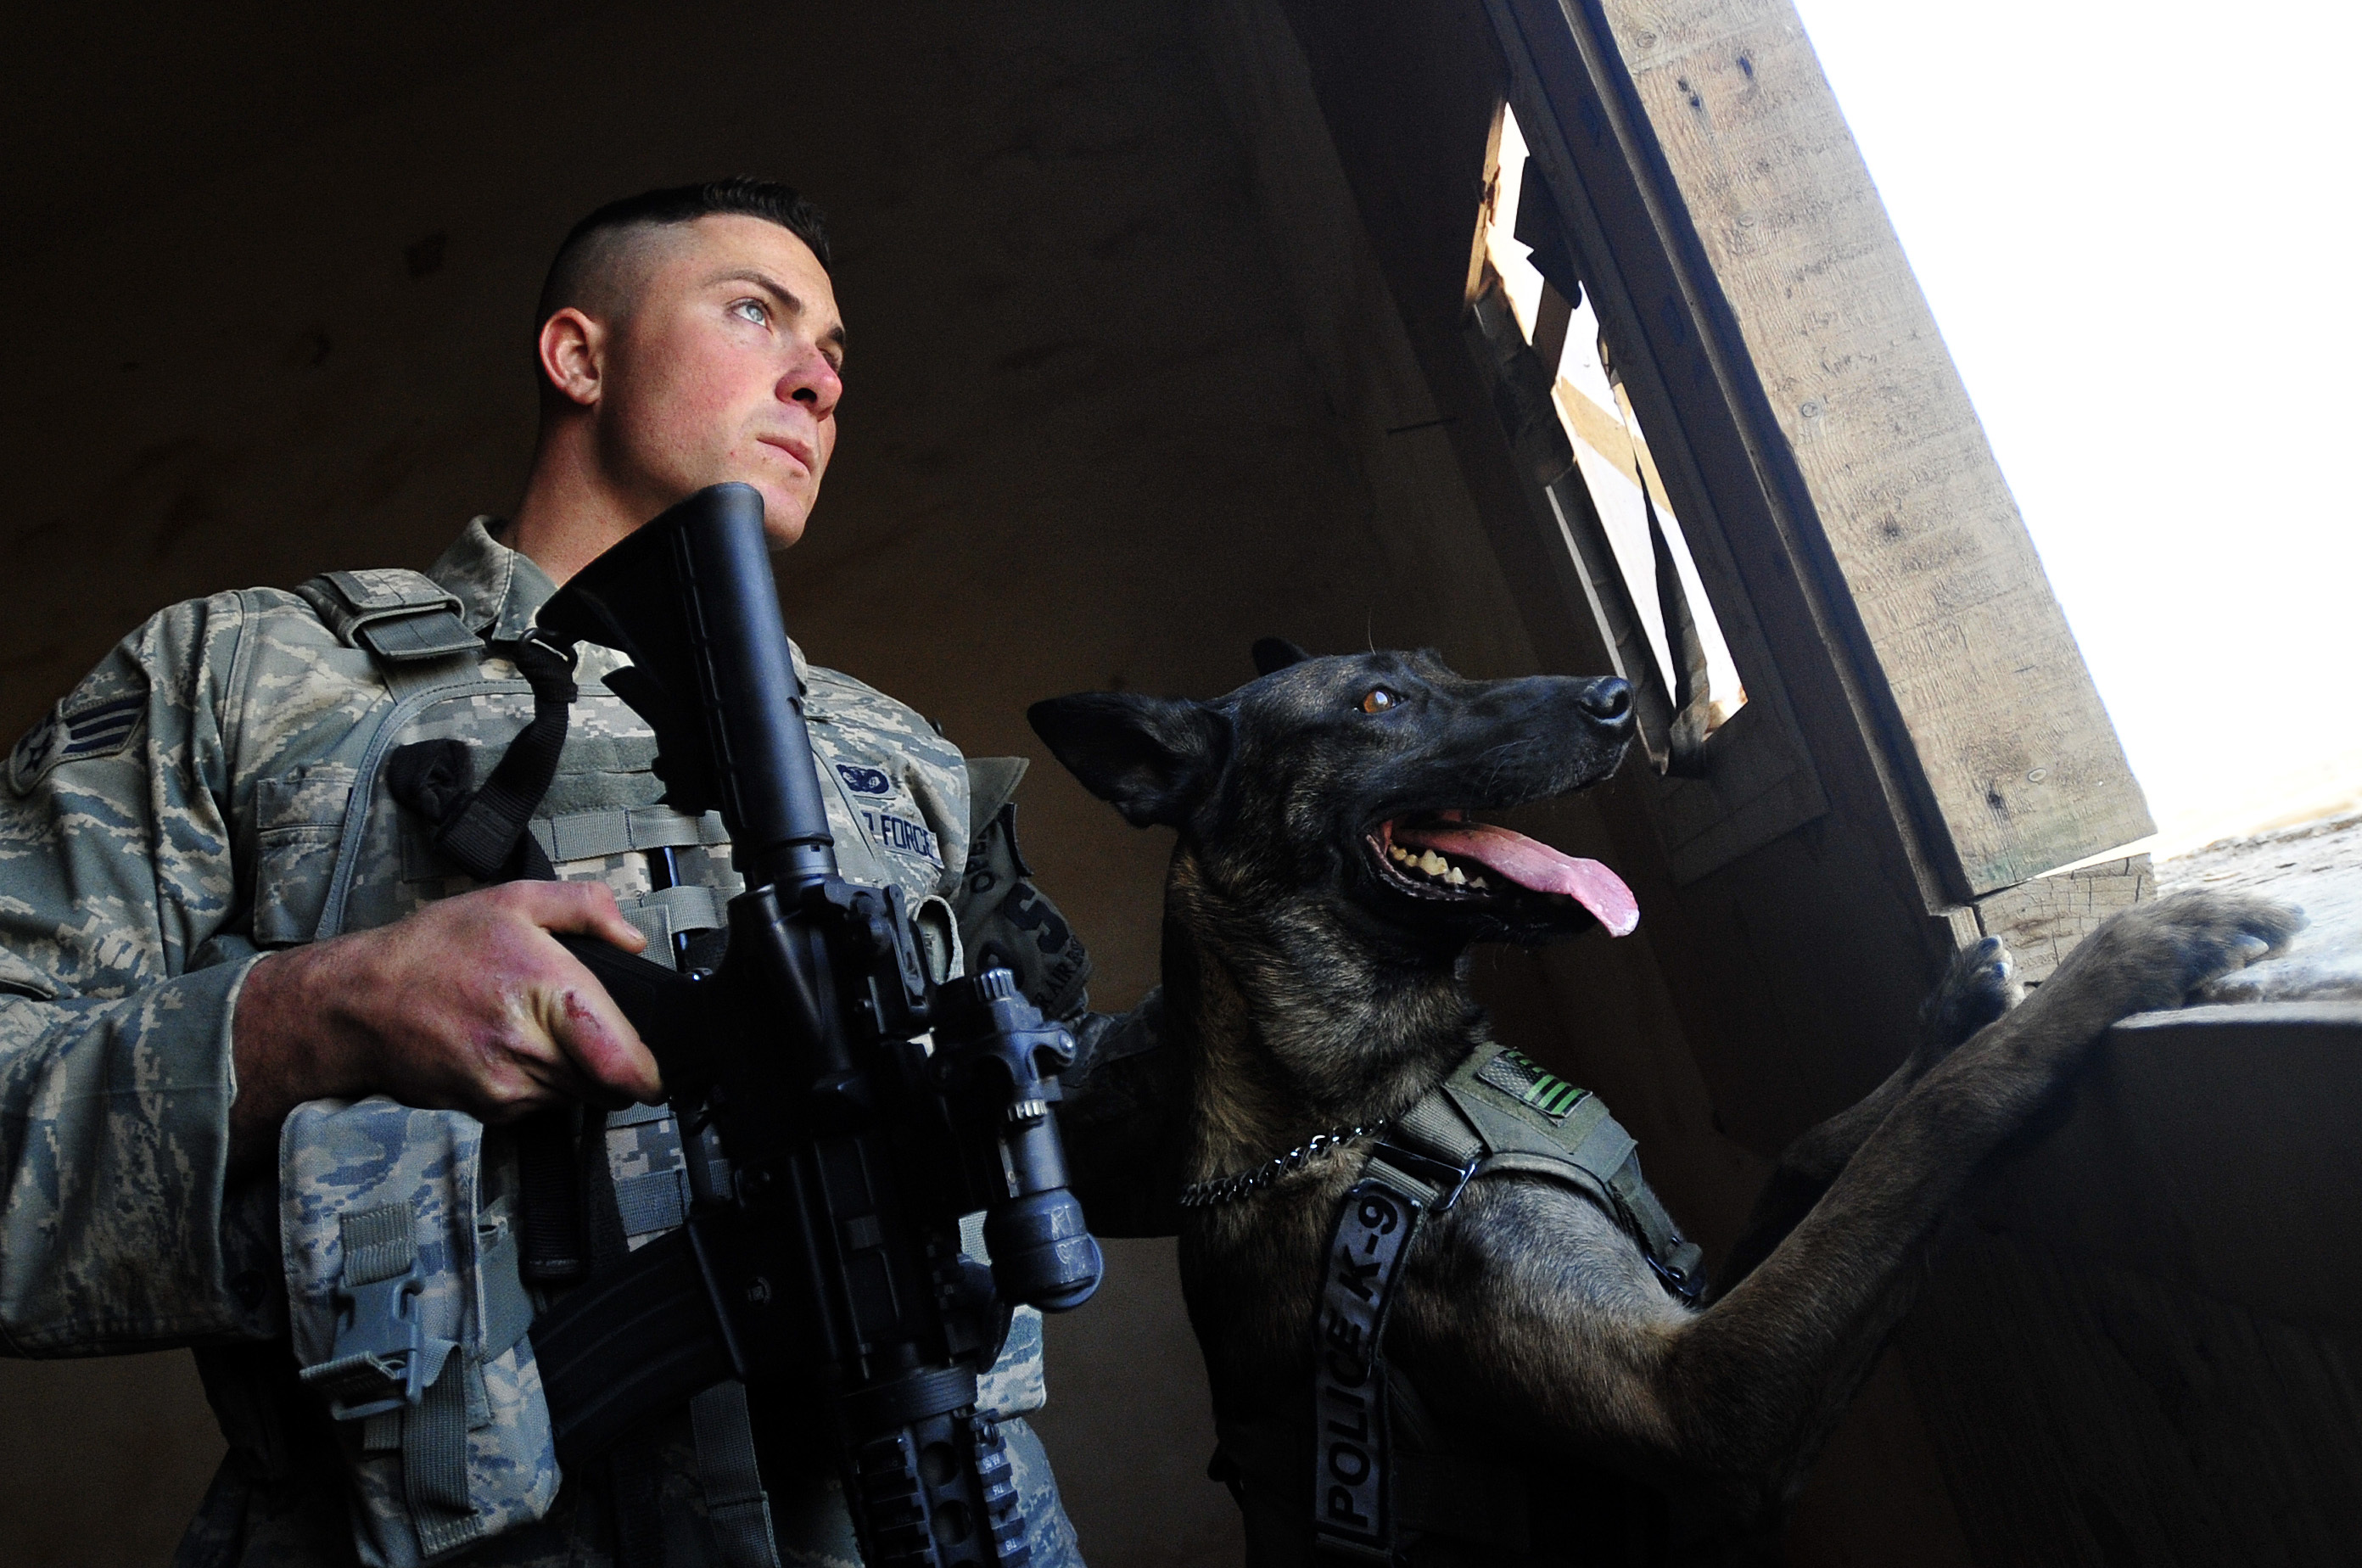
[396, 614]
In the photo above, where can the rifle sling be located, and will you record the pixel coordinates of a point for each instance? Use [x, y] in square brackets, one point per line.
[483, 831]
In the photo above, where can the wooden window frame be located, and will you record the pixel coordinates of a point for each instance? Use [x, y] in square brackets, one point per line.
[1819, 445]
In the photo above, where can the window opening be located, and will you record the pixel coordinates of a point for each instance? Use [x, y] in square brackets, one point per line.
[1657, 599]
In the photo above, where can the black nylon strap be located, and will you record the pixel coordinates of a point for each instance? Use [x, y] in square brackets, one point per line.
[1354, 1505]
[550, 1223]
[485, 834]
[635, 1498]
[635, 1466]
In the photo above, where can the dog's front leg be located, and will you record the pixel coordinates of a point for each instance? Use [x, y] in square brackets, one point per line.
[1727, 1407]
[1978, 986]
[1805, 1328]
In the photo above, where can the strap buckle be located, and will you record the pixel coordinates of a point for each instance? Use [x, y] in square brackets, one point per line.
[383, 1357]
[550, 643]
[1447, 1178]
[1686, 1285]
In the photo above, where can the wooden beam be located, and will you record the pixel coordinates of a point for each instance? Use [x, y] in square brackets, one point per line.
[1864, 436]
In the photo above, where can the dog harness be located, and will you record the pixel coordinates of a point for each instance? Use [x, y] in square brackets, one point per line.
[1373, 1496]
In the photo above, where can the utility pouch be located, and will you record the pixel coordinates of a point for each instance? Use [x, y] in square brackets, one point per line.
[409, 1319]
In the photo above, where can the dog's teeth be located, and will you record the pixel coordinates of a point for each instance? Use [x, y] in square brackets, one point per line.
[1431, 863]
[1456, 877]
[1476, 882]
[1399, 852]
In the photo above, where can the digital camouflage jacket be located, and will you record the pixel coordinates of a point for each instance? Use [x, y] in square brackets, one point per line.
[214, 790]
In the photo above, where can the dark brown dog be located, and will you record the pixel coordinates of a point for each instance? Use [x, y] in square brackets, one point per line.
[1324, 892]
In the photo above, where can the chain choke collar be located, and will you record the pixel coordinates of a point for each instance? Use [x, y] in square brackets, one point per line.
[1218, 1191]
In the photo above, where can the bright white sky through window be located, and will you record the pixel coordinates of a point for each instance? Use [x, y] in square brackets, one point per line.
[2137, 225]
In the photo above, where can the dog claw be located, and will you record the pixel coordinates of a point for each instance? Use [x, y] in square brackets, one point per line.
[1978, 986]
[2155, 955]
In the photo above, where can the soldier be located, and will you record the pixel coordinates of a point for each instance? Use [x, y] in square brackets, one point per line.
[218, 901]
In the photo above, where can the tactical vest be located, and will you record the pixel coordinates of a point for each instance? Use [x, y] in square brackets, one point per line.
[1389, 1485]
[337, 851]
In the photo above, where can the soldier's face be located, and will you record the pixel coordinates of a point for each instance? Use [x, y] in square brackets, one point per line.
[726, 365]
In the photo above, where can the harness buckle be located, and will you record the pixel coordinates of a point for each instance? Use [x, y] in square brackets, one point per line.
[1446, 1177]
[1688, 1286]
[550, 643]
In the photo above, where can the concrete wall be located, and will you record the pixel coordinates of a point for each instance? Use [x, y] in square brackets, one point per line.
[270, 289]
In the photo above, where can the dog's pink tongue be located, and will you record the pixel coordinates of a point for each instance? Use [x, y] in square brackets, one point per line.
[1534, 866]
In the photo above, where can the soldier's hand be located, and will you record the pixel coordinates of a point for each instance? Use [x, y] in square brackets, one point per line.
[470, 1004]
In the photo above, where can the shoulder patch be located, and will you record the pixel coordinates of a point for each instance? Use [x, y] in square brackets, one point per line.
[103, 730]
[1515, 1075]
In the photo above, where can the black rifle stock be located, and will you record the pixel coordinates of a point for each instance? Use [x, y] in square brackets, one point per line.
[840, 1107]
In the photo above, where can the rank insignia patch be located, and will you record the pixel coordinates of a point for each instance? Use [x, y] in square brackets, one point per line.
[101, 731]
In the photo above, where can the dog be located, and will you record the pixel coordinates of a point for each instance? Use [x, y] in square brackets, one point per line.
[1326, 885]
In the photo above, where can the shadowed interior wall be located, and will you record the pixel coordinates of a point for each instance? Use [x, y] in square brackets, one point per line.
[270, 289]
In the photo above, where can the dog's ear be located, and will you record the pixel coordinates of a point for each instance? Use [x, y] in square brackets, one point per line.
[1154, 759]
[1277, 653]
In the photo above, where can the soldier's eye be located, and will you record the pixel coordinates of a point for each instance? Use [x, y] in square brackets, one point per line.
[754, 311]
[1378, 700]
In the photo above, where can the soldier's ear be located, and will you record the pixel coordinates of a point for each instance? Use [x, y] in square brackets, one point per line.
[1154, 759]
[1277, 653]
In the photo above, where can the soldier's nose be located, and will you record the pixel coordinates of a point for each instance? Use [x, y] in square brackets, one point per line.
[1608, 701]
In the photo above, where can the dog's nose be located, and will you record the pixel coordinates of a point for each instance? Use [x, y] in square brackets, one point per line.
[1608, 700]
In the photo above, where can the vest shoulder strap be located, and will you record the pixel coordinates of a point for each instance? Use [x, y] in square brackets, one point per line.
[991, 781]
[395, 615]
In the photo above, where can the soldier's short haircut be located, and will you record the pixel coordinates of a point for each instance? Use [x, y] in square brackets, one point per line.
[592, 245]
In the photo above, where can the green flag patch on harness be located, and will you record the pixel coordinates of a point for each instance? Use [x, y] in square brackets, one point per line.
[1515, 1075]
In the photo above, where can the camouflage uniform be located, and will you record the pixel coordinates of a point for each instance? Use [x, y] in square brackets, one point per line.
[185, 810]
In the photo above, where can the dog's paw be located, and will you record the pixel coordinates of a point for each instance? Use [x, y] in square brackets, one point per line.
[1980, 986]
[2154, 955]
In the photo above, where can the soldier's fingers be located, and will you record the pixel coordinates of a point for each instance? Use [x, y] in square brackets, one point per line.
[550, 1075]
[599, 1043]
[526, 1083]
[506, 1064]
[577, 909]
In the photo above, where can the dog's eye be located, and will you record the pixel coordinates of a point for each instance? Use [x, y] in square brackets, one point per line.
[1378, 700]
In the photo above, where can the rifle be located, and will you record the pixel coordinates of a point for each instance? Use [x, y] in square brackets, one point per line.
[841, 1107]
